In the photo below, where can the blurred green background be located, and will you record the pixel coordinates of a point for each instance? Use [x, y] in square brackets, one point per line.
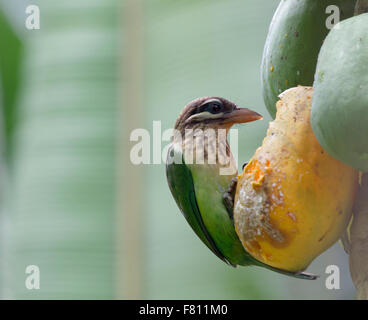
[71, 201]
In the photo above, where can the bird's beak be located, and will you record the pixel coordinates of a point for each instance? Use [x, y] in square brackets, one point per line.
[241, 115]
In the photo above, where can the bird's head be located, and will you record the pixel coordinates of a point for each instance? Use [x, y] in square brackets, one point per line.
[214, 113]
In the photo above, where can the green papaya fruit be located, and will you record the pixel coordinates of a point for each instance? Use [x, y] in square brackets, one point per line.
[295, 37]
[339, 115]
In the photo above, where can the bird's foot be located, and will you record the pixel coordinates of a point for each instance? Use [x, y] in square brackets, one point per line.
[229, 197]
[244, 165]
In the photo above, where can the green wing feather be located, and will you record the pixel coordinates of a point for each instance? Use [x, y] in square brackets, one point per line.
[180, 181]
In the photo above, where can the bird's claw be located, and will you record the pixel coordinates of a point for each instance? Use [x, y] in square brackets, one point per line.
[229, 197]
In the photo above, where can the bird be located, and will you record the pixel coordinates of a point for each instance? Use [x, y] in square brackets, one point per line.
[202, 174]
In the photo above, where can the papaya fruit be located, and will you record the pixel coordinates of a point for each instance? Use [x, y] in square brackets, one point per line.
[340, 105]
[295, 37]
[293, 200]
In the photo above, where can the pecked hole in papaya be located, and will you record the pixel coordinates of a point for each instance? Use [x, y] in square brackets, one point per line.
[256, 206]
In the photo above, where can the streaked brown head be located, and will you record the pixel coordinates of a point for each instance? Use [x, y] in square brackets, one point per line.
[213, 112]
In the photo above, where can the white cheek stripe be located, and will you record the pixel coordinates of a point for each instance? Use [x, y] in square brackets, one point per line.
[205, 116]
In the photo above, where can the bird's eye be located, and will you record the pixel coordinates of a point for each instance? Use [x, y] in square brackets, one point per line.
[214, 107]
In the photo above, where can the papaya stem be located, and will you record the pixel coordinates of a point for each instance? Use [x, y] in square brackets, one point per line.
[358, 257]
[361, 7]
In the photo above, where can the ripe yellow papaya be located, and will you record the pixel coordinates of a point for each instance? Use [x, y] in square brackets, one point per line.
[293, 200]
